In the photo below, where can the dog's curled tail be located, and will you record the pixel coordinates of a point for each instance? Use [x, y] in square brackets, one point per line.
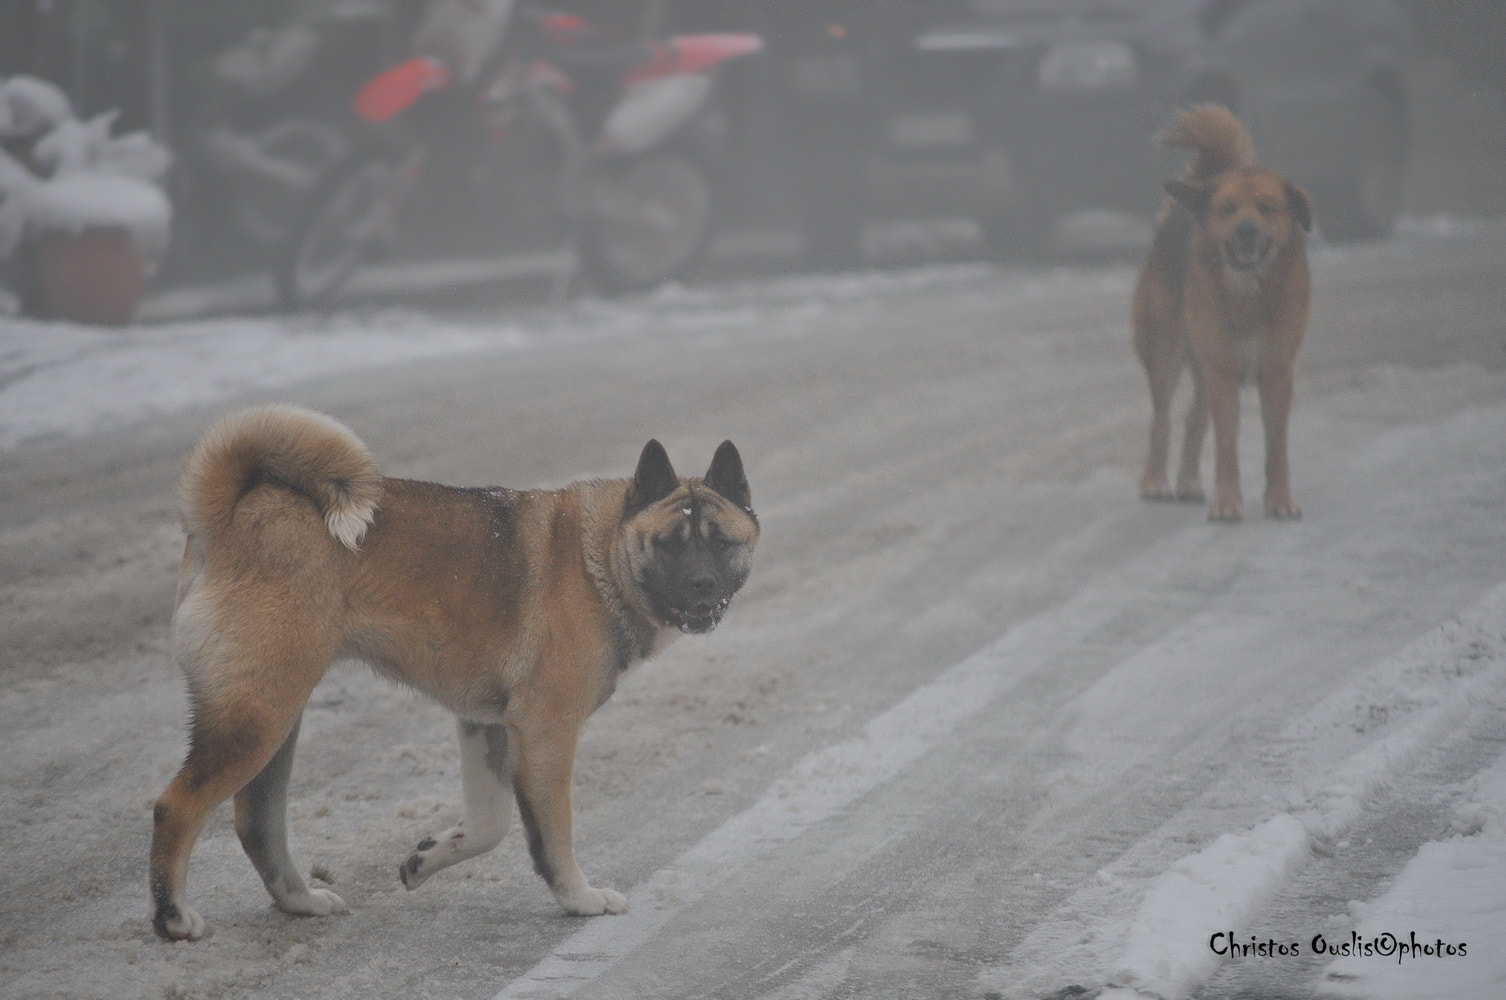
[307, 452]
[1215, 135]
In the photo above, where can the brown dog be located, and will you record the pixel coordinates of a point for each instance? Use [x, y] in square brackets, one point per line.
[515, 610]
[1225, 283]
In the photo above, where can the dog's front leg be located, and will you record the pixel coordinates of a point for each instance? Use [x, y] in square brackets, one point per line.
[1221, 378]
[1189, 480]
[488, 811]
[1275, 380]
[543, 758]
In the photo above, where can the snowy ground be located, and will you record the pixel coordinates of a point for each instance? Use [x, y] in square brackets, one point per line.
[983, 723]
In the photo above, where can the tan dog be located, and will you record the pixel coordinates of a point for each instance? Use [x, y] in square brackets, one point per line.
[515, 610]
[1226, 282]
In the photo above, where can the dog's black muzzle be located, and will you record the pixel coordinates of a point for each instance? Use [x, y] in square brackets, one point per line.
[700, 604]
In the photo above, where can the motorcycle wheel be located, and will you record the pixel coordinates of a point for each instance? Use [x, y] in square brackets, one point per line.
[349, 218]
[648, 219]
[1364, 203]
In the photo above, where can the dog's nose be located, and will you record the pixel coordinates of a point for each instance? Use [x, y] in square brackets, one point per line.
[1247, 234]
[702, 584]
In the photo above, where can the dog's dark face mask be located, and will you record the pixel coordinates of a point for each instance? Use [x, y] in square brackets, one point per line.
[689, 541]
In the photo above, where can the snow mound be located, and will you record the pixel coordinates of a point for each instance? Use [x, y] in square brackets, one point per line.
[1222, 886]
[75, 202]
[29, 106]
[1456, 891]
[87, 179]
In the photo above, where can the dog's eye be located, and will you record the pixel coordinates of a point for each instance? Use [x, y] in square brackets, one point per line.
[720, 543]
[1268, 208]
[1227, 209]
[669, 544]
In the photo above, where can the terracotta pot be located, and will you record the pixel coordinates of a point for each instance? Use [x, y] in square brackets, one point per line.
[94, 276]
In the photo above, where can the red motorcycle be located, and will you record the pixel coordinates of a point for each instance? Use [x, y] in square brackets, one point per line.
[552, 122]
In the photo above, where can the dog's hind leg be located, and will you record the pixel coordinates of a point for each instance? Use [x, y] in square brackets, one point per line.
[1160, 343]
[225, 752]
[247, 694]
[488, 806]
[261, 822]
[1162, 377]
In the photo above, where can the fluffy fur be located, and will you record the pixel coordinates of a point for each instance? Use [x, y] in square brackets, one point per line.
[1225, 286]
[516, 609]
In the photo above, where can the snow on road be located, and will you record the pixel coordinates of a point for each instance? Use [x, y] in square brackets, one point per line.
[62, 379]
[1141, 929]
[1456, 889]
[1167, 949]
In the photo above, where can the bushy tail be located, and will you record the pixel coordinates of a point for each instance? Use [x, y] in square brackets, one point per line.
[305, 451]
[1215, 135]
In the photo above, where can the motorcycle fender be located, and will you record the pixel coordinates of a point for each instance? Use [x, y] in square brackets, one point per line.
[649, 111]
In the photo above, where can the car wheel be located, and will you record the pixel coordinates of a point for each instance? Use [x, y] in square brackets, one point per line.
[1363, 203]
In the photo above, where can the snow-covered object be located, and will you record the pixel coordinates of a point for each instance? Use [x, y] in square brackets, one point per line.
[268, 59]
[75, 202]
[75, 146]
[29, 106]
[89, 179]
[16, 184]
[137, 155]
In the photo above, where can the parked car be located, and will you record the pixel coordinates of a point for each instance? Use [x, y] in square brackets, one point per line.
[1014, 112]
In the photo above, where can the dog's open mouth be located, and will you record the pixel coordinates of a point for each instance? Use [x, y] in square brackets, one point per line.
[698, 618]
[1246, 254]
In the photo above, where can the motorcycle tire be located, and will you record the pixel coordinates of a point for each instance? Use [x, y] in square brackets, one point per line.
[1363, 204]
[348, 220]
[648, 219]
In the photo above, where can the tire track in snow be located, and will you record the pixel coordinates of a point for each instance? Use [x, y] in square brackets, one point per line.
[1163, 951]
[830, 779]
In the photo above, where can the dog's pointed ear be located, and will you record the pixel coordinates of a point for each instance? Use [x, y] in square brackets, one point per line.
[726, 475]
[1301, 206]
[654, 480]
[1194, 196]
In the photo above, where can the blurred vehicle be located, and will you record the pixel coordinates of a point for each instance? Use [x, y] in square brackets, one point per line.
[275, 118]
[527, 119]
[1014, 112]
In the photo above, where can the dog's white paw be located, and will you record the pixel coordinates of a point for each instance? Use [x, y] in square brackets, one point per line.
[589, 902]
[185, 924]
[313, 903]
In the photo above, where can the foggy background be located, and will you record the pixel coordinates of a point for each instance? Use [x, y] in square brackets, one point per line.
[154, 61]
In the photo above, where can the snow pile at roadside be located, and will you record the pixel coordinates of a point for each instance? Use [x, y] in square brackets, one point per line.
[61, 379]
[1223, 886]
[1456, 889]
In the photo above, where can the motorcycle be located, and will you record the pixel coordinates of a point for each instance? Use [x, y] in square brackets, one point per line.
[554, 121]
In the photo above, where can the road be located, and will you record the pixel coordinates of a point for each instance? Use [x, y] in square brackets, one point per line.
[982, 723]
